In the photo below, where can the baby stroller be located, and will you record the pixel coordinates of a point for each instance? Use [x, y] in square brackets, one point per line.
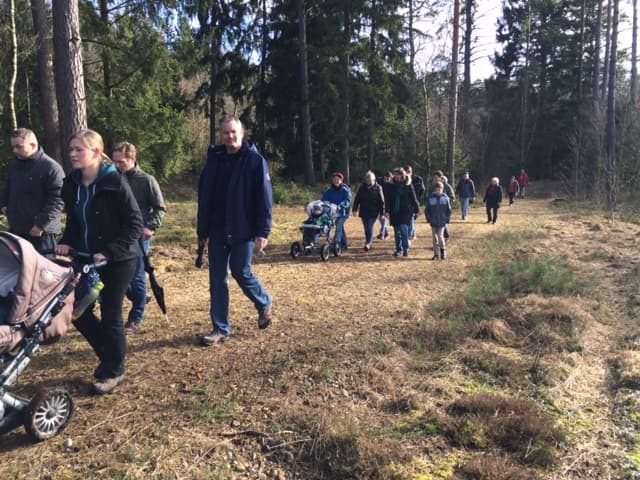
[42, 297]
[319, 225]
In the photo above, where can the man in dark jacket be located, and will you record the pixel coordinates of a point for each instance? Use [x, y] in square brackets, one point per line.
[466, 191]
[147, 192]
[235, 202]
[31, 198]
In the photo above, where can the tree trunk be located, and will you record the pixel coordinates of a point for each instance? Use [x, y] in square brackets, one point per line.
[69, 74]
[106, 59]
[413, 84]
[596, 57]
[309, 176]
[634, 58]
[466, 81]
[607, 53]
[262, 95]
[611, 117]
[346, 94]
[14, 65]
[46, 80]
[524, 112]
[213, 91]
[453, 92]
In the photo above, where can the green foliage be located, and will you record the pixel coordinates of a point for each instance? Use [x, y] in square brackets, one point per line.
[143, 103]
[293, 194]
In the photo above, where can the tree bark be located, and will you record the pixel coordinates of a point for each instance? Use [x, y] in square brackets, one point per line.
[346, 94]
[14, 65]
[596, 57]
[262, 95]
[453, 92]
[309, 176]
[611, 176]
[106, 59]
[634, 59]
[607, 54]
[69, 72]
[46, 80]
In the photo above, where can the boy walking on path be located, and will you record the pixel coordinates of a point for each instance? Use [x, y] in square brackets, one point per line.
[438, 213]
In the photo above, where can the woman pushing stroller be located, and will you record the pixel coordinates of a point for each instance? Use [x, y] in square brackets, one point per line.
[103, 220]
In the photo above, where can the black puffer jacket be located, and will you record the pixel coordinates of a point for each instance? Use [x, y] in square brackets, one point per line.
[102, 218]
[369, 201]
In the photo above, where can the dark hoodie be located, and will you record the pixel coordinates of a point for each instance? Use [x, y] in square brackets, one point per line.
[103, 217]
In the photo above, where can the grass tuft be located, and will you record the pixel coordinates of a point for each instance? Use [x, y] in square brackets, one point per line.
[516, 426]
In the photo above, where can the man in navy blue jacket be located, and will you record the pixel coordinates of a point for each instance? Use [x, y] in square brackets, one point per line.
[235, 202]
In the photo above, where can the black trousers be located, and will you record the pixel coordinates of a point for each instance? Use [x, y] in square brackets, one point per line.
[492, 210]
[106, 335]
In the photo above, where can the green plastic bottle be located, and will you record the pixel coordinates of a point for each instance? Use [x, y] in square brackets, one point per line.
[88, 300]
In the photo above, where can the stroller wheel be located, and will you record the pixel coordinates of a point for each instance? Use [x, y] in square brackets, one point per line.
[337, 249]
[48, 413]
[324, 252]
[296, 249]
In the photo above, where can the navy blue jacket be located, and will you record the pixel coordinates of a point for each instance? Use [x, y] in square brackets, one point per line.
[438, 210]
[249, 197]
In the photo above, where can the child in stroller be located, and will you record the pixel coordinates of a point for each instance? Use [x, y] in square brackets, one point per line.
[39, 296]
[319, 224]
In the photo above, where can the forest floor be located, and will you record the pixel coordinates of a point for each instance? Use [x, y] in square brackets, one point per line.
[517, 358]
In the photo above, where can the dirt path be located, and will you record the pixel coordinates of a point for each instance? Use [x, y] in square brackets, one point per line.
[336, 356]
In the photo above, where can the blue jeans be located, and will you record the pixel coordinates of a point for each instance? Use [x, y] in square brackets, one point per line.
[412, 228]
[369, 224]
[384, 229]
[340, 236]
[401, 233]
[465, 207]
[237, 257]
[137, 291]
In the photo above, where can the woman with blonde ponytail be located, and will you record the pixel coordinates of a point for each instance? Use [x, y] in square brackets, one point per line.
[104, 221]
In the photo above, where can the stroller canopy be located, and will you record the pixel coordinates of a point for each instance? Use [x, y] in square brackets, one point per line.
[32, 279]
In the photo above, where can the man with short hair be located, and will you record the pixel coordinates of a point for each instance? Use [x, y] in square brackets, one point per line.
[31, 198]
[147, 193]
[466, 191]
[235, 203]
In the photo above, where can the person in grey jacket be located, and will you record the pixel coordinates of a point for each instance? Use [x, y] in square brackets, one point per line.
[31, 197]
[147, 193]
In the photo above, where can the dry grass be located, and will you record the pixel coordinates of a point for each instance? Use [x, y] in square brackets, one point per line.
[354, 378]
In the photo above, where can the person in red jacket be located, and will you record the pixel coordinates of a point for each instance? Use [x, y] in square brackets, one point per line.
[514, 189]
[523, 180]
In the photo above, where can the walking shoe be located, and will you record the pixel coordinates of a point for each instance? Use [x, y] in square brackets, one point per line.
[386, 235]
[367, 247]
[405, 254]
[264, 317]
[132, 327]
[212, 338]
[435, 257]
[379, 236]
[107, 385]
[397, 254]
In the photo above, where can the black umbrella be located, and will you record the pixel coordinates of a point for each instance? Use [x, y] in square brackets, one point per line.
[156, 287]
[200, 254]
